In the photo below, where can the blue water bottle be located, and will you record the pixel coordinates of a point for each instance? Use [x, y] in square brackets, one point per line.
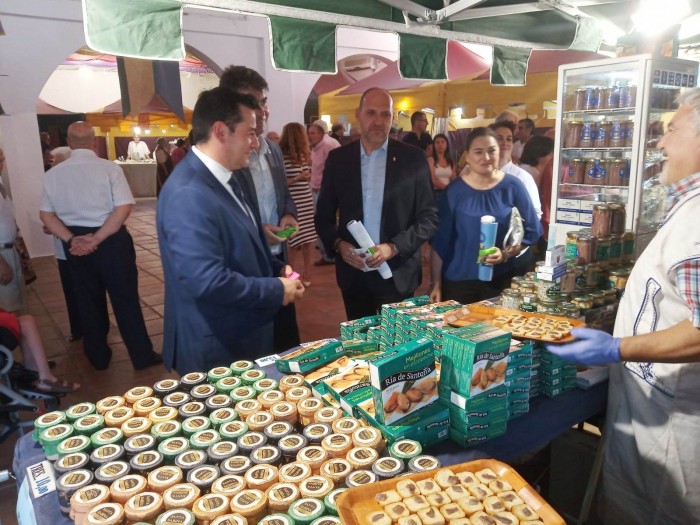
[487, 240]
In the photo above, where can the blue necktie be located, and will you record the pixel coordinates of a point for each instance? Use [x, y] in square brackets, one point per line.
[240, 194]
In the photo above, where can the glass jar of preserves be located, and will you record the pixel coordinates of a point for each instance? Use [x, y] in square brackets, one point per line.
[547, 290]
[530, 276]
[516, 281]
[600, 226]
[619, 173]
[617, 135]
[587, 135]
[595, 173]
[510, 299]
[627, 247]
[618, 218]
[585, 249]
[581, 273]
[577, 99]
[571, 240]
[571, 310]
[618, 278]
[612, 100]
[573, 134]
[583, 301]
[602, 136]
[593, 275]
[591, 96]
[602, 253]
[629, 133]
[610, 295]
[598, 298]
[529, 303]
[549, 307]
[615, 254]
[527, 286]
[567, 282]
[575, 172]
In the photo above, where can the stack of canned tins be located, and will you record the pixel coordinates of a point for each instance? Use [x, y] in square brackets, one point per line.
[227, 447]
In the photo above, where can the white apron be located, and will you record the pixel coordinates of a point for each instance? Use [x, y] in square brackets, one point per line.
[652, 463]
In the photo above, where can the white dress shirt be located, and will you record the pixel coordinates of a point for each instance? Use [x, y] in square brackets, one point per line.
[138, 150]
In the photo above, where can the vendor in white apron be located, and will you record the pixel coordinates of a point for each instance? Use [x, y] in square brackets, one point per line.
[651, 472]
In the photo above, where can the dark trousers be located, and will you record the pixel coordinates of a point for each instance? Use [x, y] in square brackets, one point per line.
[76, 330]
[286, 329]
[367, 295]
[110, 269]
[473, 291]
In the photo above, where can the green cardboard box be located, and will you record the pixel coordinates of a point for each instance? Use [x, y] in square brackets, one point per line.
[359, 347]
[404, 381]
[309, 356]
[358, 328]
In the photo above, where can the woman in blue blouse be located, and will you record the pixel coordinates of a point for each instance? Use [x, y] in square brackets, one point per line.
[483, 190]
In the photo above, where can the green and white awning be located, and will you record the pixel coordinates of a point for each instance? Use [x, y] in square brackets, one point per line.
[303, 32]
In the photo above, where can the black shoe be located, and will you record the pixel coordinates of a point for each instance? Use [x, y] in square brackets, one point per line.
[157, 359]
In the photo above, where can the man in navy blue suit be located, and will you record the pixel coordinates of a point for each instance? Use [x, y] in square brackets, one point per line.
[222, 285]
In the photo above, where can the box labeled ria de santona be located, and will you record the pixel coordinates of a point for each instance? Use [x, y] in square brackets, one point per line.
[404, 381]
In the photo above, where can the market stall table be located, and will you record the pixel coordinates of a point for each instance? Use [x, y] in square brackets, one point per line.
[141, 177]
[547, 419]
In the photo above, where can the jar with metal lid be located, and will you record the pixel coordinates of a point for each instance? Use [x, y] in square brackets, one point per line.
[588, 130]
[550, 307]
[586, 248]
[610, 294]
[617, 134]
[617, 278]
[529, 303]
[593, 275]
[602, 253]
[619, 173]
[615, 255]
[595, 174]
[547, 290]
[577, 99]
[567, 282]
[571, 240]
[581, 273]
[573, 134]
[584, 302]
[629, 134]
[571, 310]
[628, 240]
[510, 299]
[527, 286]
[602, 136]
[618, 218]
[598, 298]
[516, 281]
[600, 227]
[577, 171]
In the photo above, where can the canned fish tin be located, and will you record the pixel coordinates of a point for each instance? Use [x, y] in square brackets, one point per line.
[80, 410]
[191, 459]
[233, 430]
[166, 429]
[191, 380]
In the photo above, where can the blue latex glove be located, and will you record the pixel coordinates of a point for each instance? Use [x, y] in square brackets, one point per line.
[592, 347]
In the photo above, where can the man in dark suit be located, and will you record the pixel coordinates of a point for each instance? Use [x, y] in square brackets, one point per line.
[385, 184]
[222, 288]
[265, 182]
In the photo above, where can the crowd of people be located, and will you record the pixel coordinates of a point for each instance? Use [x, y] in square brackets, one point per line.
[233, 204]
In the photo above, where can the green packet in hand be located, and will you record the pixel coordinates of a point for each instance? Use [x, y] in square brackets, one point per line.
[283, 234]
[485, 253]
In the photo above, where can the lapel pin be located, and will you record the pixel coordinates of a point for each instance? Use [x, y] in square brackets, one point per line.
[393, 159]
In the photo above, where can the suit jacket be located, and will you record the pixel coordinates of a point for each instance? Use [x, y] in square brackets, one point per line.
[221, 290]
[409, 214]
[285, 203]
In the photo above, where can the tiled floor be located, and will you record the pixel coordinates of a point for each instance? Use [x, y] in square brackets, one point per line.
[318, 314]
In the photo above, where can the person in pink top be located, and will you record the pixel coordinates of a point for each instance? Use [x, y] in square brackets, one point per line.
[321, 144]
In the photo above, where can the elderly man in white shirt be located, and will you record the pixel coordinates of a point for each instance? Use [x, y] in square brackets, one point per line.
[86, 201]
[137, 150]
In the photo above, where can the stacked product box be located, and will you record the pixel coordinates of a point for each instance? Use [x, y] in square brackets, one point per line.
[537, 348]
[310, 356]
[518, 376]
[474, 363]
[388, 317]
[357, 329]
[556, 375]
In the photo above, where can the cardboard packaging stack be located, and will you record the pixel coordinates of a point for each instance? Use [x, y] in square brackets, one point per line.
[518, 376]
[472, 381]
[556, 375]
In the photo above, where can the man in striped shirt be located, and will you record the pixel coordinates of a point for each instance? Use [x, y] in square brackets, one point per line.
[651, 472]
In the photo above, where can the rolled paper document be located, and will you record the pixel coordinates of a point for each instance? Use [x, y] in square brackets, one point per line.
[489, 226]
[365, 242]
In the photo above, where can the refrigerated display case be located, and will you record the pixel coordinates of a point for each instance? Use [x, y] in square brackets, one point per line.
[610, 116]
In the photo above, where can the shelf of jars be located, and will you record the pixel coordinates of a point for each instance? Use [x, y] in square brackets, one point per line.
[601, 149]
[596, 186]
[596, 112]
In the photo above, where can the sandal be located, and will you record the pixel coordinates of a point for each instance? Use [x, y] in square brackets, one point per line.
[59, 386]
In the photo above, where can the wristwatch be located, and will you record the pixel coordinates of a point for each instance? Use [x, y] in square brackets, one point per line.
[394, 249]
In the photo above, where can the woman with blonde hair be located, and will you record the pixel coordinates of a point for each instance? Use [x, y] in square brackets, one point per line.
[294, 144]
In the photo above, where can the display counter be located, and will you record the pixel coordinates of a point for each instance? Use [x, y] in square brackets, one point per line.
[547, 419]
[141, 177]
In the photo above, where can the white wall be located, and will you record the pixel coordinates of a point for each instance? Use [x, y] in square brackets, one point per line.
[40, 34]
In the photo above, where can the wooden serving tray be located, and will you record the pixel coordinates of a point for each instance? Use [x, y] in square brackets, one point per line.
[356, 504]
[479, 312]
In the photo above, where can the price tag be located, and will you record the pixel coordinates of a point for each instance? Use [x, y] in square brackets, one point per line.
[41, 478]
[267, 361]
